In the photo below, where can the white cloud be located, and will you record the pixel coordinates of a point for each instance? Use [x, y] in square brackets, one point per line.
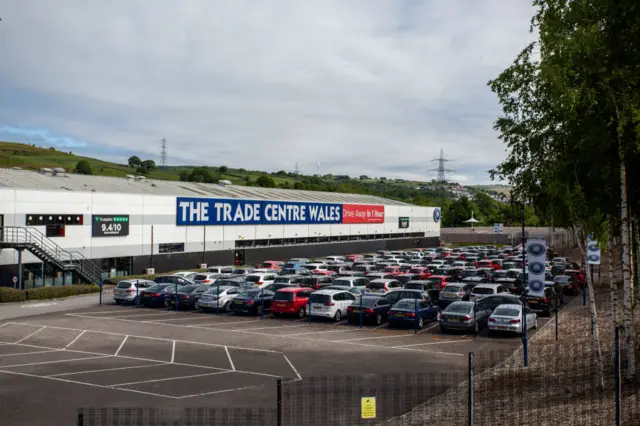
[365, 87]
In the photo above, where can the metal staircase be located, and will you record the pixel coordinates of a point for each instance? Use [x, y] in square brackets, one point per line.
[24, 238]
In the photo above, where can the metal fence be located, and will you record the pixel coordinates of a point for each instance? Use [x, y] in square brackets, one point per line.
[558, 387]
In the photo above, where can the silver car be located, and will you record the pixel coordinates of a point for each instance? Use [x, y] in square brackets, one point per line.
[218, 298]
[464, 316]
[509, 318]
[128, 291]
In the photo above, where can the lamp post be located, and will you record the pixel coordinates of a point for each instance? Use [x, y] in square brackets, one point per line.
[525, 341]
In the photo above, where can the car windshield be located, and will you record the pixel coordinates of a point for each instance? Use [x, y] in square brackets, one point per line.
[376, 285]
[171, 288]
[452, 288]
[414, 286]
[458, 308]
[284, 296]
[253, 278]
[188, 288]
[500, 274]
[562, 279]
[415, 271]
[440, 271]
[366, 301]
[200, 277]
[469, 273]
[345, 283]
[154, 288]
[282, 280]
[435, 281]
[239, 271]
[406, 304]
[249, 293]
[482, 290]
[506, 312]
[124, 284]
[308, 281]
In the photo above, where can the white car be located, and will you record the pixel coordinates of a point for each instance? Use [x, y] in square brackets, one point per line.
[261, 279]
[220, 269]
[508, 317]
[330, 303]
[316, 266]
[127, 291]
[206, 278]
[336, 259]
[481, 291]
[211, 299]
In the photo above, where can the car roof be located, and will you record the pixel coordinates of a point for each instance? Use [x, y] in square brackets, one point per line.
[329, 292]
[438, 276]
[488, 285]
[383, 280]
[292, 289]
[509, 305]
[404, 289]
[349, 278]
[461, 302]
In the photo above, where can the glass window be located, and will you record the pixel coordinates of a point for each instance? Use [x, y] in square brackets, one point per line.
[171, 248]
[55, 231]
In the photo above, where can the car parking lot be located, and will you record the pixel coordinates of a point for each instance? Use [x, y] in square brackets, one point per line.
[133, 356]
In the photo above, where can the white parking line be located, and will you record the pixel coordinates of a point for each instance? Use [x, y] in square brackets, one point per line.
[318, 332]
[292, 367]
[54, 362]
[85, 384]
[31, 353]
[170, 378]
[35, 332]
[122, 344]
[218, 391]
[433, 343]
[173, 352]
[188, 316]
[273, 327]
[233, 367]
[224, 323]
[108, 369]
[77, 337]
[163, 314]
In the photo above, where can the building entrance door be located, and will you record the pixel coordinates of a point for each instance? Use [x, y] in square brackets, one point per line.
[238, 257]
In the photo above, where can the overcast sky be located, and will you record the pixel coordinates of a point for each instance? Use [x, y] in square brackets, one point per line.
[363, 87]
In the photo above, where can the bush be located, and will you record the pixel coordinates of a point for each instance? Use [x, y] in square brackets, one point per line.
[8, 294]
[53, 292]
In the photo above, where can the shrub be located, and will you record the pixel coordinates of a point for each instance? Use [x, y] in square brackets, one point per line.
[60, 291]
[8, 294]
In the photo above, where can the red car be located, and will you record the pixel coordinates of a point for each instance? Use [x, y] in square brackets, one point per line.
[393, 270]
[440, 281]
[291, 301]
[577, 275]
[489, 264]
[323, 272]
[423, 272]
[353, 257]
[271, 264]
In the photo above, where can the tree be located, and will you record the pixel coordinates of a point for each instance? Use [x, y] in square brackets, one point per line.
[148, 164]
[134, 161]
[265, 181]
[223, 169]
[364, 177]
[142, 170]
[83, 167]
[200, 174]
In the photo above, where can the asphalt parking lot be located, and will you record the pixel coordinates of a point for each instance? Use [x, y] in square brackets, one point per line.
[125, 356]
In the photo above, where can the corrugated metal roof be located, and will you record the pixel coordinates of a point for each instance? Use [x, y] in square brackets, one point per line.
[24, 179]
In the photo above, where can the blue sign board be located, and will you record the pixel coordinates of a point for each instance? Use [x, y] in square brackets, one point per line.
[216, 211]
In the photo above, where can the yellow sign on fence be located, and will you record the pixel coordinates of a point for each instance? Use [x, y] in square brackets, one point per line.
[368, 407]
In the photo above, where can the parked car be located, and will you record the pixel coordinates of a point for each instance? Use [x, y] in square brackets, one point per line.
[545, 304]
[423, 272]
[577, 274]
[291, 301]
[399, 294]
[271, 264]
[128, 291]
[242, 271]
[294, 271]
[440, 281]
[510, 318]
[351, 282]
[412, 312]
[288, 279]
[316, 282]
[464, 316]
[489, 264]
[205, 278]
[232, 281]
[277, 286]
[383, 285]
[154, 296]
[484, 290]
[424, 286]
[558, 269]
[330, 303]
[340, 269]
[374, 310]
[569, 284]
[260, 279]
[492, 302]
[218, 298]
[220, 269]
[252, 301]
[405, 278]
[172, 279]
[187, 296]
[356, 291]
[379, 276]
[185, 274]
[453, 292]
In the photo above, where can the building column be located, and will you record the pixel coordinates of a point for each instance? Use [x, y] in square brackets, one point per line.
[20, 272]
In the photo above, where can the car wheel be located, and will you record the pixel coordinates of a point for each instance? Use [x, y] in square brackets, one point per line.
[535, 324]
[420, 323]
[338, 316]
[136, 301]
[443, 330]
[276, 314]
[378, 319]
[118, 301]
[196, 305]
[301, 313]
[227, 307]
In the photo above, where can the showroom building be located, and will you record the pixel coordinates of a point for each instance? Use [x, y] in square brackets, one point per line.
[59, 226]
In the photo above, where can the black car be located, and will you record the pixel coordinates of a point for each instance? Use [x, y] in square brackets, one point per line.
[187, 296]
[558, 269]
[546, 304]
[396, 295]
[508, 279]
[252, 301]
[492, 302]
[374, 310]
[153, 296]
[568, 283]
[172, 279]
[232, 282]
[425, 286]
[316, 282]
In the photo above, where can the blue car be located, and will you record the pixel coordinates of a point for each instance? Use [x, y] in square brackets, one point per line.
[403, 313]
[251, 301]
